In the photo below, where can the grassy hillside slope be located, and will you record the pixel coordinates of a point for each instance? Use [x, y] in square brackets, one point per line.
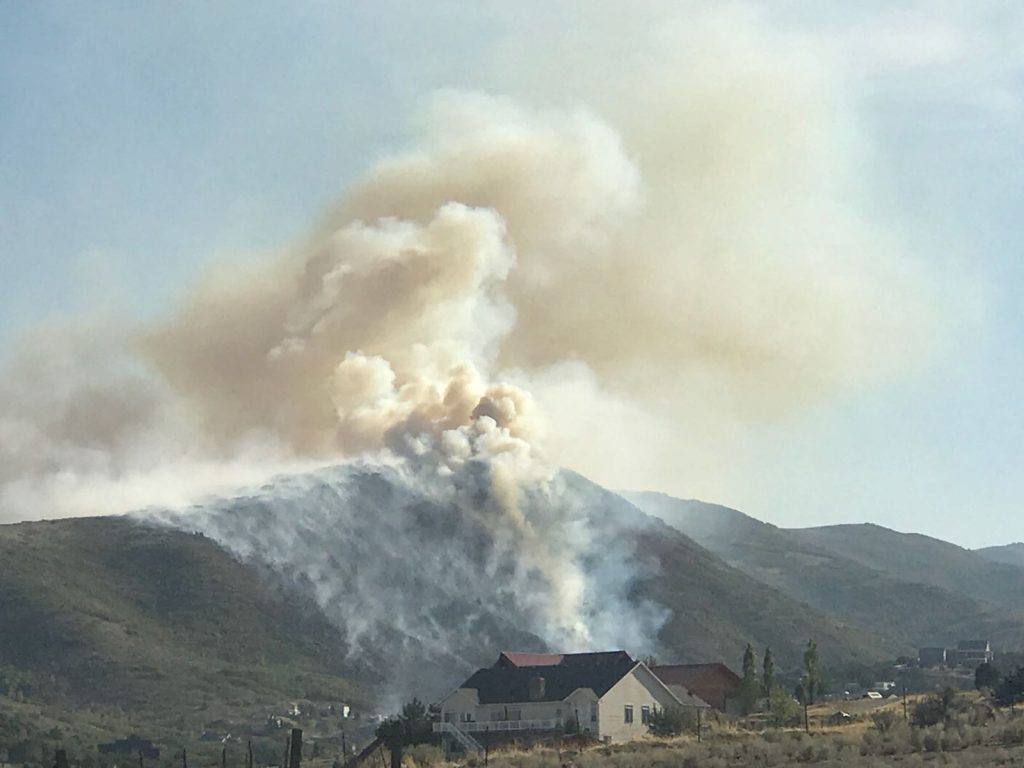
[157, 623]
[922, 559]
[111, 612]
[715, 609]
[907, 613]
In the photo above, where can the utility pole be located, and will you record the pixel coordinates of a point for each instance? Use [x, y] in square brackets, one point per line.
[807, 721]
[905, 702]
[184, 759]
[700, 712]
[487, 745]
[295, 749]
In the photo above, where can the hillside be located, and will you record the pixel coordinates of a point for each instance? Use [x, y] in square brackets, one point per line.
[922, 559]
[109, 625]
[1008, 554]
[350, 585]
[716, 609]
[905, 612]
[389, 555]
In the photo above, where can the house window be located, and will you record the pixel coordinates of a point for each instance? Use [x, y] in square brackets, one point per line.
[515, 714]
[627, 713]
[593, 711]
[645, 715]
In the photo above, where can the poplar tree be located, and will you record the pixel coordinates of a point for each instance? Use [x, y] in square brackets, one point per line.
[768, 672]
[749, 687]
[811, 674]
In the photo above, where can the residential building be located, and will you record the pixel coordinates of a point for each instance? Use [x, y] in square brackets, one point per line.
[931, 657]
[531, 697]
[713, 683]
[973, 653]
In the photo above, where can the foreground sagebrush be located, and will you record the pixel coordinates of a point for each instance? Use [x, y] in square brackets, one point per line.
[963, 740]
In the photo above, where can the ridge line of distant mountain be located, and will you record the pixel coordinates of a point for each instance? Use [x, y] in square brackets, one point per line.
[914, 588]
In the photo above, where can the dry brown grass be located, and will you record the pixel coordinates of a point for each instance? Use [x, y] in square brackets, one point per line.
[962, 741]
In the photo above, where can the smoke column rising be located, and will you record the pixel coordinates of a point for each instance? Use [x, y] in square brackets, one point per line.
[524, 288]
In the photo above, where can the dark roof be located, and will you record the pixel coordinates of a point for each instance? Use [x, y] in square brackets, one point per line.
[598, 658]
[528, 659]
[507, 685]
[972, 645]
[691, 675]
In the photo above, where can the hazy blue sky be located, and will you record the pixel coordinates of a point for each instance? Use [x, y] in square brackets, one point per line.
[140, 141]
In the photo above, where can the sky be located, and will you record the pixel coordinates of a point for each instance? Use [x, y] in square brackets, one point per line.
[142, 143]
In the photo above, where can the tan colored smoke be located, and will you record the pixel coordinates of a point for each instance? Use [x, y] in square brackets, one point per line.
[714, 268]
[535, 286]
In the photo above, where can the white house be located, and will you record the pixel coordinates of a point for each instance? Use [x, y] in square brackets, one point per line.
[533, 696]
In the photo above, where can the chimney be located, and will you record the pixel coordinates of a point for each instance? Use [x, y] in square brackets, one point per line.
[536, 688]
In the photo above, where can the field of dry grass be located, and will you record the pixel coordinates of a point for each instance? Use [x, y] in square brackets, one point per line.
[974, 736]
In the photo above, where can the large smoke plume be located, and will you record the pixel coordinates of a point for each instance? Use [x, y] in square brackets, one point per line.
[525, 288]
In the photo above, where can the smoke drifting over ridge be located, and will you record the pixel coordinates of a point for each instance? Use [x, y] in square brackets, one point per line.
[525, 288]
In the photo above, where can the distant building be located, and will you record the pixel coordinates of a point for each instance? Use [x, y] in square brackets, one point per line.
[931, 657]
[532, 697]
[133, 745]
[714, 683]
[973, 653]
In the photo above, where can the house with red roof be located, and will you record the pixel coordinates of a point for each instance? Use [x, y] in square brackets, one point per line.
[537, 696]
[714, 683]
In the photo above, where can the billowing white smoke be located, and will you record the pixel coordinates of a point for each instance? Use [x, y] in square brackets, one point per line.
[428, 575]
[526, 288]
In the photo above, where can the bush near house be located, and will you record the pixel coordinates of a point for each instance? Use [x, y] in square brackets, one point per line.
[672, 721]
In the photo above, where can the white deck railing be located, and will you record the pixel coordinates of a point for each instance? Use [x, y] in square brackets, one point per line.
[468, 742]
[501, 726]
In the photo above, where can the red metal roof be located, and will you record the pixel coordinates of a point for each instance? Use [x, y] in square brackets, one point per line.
[714, 683]
[690, 675]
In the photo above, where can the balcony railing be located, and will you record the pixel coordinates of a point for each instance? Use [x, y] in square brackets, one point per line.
[502, 726]
[468, 742]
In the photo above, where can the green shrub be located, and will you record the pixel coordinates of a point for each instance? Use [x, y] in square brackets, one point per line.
[951, 741]
[932, 740]
[884, 720]
[1012, 733]
[672, 721]
[783, 709]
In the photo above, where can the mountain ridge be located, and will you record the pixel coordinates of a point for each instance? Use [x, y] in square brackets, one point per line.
[889, 600]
